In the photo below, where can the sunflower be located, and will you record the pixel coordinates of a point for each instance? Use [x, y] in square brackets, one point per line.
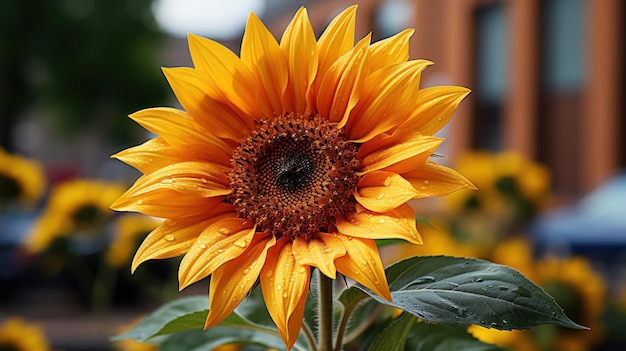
[127, 230]
[21, 179]
[17, 335]
[511, 186]
[295, 155]
[74, 206]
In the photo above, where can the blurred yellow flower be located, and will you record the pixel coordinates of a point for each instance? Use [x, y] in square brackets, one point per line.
[295, 155]
[21, 179]
[509, 185]
[581, 292]
[517, 340]
[128, 231]
[74, 206]
[17, 335]
[515, 252]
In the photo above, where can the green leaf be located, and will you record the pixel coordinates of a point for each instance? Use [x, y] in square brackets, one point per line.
[393, 337]
[439, 337]
[464, 291]
[202, 340]
[169, 312]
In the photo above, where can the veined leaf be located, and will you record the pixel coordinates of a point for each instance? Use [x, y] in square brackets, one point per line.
[152, 324]
[393, 337]
[464, 291]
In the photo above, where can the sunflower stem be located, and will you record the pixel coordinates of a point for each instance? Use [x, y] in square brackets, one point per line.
[325, 313]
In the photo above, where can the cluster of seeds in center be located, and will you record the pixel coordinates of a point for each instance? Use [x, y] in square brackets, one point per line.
[294, 175]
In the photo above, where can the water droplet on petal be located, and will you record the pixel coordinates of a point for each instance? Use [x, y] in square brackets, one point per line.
[328, 250]
[269, 274]
[169, 237]
[301, 270]
[279, 287]
[381, 221]
[285, 295]
[139, 202]
[204, 180]
[167, 181]
[224, 231]
[246, 271]
[203, 246]
[220, 250]
[387, 181]
[241, 243]
[380, 196]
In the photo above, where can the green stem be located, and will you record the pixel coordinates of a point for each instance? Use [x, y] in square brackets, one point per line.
[325, 313]
[344, 322]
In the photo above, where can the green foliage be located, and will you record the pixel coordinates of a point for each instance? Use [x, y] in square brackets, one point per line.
[88, 64]
[464, 291]
[441, 294]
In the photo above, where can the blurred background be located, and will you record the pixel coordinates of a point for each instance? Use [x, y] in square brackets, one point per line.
[543, 135]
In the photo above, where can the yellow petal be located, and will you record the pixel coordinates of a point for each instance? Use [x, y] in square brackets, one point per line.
[232, 281]
[231, 80]
[432, 179]
[336, 40]
[175, 127]
[388, 100]
[196, 179]
[362, 263]
[382, 191]
[342, 85]
[391, 51]
[217, 244]
[156, 153]
[398, 223]
[400, 152]
[285, 285]
[192, 90]
[174, 237]
[262, 54]
[319, 252]
[300, 48]
[166, 203]
[434, 108]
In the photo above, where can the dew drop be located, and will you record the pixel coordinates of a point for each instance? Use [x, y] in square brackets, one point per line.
[240, 243]
[301, 270]
[285, 295]
[220, 250]
[204, 180]
[328, 250]
[139, 202]
[224, 231]
[387, 181]
[269, 274]
[167, 181]
[478, 280]
[279, 287]
[381, 221]
[169, 237]
[203, 246]
[246, 271]
[380, 196]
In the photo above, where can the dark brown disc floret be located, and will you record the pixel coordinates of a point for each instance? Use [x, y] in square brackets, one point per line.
[294, 175]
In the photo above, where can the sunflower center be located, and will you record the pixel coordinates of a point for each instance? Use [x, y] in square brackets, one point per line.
[294, 175]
